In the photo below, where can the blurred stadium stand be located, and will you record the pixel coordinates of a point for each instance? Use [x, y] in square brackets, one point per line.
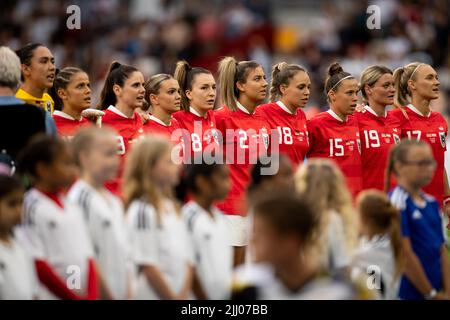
[154, 34]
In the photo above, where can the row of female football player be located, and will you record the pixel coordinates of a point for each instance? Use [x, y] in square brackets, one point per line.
[358, 142]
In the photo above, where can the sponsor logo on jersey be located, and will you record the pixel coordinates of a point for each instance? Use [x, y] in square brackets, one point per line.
[417, 215]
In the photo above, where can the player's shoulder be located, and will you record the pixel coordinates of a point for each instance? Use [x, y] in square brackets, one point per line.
[139, 205]
[109, 115]
[222, 113]
[191, 213]
[399, 197]
[47, 97]
[141, 214]
[352, 119]
[267, 107]
[319, 119]
[179, 115]
[437, 117]
[398, 113]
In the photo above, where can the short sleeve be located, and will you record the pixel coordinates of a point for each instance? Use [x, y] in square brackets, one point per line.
[29, 233]
[337, 243]
[405, 222]
[142, 226]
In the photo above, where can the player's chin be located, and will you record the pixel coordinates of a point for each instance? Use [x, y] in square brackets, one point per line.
[352, 109]
[262, 94]
[139, 104]
[86, 104]
[434, 95]
[48, 82]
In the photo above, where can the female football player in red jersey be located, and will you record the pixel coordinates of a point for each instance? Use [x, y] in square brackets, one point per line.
[378, 128]
[416, 86]
[72, 94]
[162, 93]
[122, 93]
[198, 95]
[289, 92]
[334, 133]
[243, 87]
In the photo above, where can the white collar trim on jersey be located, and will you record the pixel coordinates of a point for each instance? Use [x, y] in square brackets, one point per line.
[63, 115]
[373, 112]
[414, 109]
[193, 111]
[283, 106]
[118, 112]
[242, 108]
[153, 118]
[334, 115]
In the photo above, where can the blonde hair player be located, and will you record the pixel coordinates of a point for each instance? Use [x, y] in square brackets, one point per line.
[379, 129]
[243, 87]
[417, 84]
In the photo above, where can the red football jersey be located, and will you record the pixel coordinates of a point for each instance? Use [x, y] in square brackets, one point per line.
[431, 128]
[378, 135]
[155, 125]
[128, 130]
[330, 137]
[247, 138]
[291, 130]
[66, 125]
[199, 132]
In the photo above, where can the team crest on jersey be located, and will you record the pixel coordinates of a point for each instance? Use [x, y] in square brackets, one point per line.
[359, 145]
[48, 106]
[265, 137]
[215, 135]
[442, 138]
[396, 139]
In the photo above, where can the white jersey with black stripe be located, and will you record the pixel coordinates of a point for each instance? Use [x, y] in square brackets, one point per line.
[18, 279]
[105, 217]
[213, 255]
[59, 236]
[161, 242]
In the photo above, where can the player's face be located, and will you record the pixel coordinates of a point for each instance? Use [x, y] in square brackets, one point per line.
[166, 173]
[298, 90]
[132, 93]
[269, 245]
[426, 84]
[346, 97]
[77, 95]
[418, 171]
[255, 86]
[102, 160]
[383, 90]
[168, 98]
[203, 93]
[220, 182]
[41, 71]
[61, 173]
[11, 210]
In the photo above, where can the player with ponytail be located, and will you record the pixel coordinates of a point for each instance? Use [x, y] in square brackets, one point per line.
[121, 95]
[289, 93]
[334, 133]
